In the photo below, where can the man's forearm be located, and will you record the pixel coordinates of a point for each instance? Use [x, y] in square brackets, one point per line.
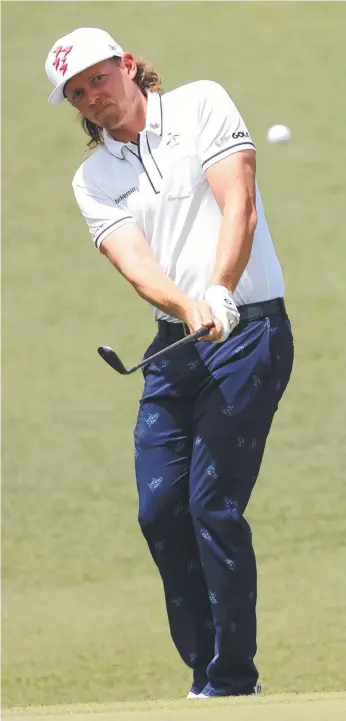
[234, 245]
[152, 284]
[131, 255]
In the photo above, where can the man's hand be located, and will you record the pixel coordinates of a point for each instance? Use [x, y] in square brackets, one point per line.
[198, 313]
[224, 310]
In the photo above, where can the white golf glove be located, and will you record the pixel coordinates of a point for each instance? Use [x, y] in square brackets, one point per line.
[223, 308]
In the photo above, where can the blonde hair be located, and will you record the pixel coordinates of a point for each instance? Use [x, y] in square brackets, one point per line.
[147, 79]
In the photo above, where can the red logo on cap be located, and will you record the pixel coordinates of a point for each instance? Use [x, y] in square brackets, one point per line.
[61, 54]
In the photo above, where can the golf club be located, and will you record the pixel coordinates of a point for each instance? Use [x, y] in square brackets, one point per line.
[110, 356]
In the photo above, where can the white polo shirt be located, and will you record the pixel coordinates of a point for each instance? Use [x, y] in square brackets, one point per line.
[159, 183]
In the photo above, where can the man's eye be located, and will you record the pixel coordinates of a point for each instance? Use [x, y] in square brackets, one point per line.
[77, 94]
[97, 78]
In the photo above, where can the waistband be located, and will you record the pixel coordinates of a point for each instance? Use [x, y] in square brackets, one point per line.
[252, 311]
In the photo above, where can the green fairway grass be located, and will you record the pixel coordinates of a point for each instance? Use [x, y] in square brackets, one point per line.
[83, 610]
[281, 707]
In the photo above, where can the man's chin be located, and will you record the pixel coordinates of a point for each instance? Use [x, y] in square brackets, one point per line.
[105, 117]
[108, 123]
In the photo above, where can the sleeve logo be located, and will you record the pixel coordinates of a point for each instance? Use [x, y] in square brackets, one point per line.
[226, 138]
[240, 134]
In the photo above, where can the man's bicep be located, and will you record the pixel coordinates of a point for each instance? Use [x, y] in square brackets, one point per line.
[232, 177]
[127, 249]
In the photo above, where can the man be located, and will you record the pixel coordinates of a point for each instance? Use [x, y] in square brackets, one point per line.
[171, 199]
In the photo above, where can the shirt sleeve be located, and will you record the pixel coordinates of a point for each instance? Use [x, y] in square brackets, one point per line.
[101, 213]
[221, 128]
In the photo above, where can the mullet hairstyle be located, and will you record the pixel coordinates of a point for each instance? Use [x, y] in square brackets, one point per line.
[147, 79]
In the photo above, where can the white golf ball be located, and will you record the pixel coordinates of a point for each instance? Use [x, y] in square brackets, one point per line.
[279, 134]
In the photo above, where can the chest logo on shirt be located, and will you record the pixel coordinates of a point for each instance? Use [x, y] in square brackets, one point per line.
[173, 139]
[126, 195]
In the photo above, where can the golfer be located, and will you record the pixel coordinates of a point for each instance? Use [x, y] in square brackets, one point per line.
[170, 198]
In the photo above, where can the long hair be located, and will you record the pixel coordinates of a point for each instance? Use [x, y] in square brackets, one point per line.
[147, 79]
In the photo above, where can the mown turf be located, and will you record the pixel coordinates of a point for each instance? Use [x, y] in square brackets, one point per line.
[83, 614]
[282, 707]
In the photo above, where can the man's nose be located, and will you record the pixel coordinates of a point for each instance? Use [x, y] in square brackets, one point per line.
[93, 95]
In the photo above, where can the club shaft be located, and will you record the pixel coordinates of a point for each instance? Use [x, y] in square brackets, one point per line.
[183, 341]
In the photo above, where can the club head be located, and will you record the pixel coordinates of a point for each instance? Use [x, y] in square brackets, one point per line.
[109, 355]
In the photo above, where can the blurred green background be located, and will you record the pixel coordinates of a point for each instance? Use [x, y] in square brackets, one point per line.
[83, 609]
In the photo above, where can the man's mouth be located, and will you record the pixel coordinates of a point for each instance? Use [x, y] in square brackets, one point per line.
[101, 109]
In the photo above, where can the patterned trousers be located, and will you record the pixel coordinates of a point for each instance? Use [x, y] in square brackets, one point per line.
[204, 417]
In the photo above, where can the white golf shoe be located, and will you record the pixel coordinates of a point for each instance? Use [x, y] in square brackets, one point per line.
[257, 690]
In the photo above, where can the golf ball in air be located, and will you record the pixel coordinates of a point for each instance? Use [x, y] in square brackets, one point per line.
[279, 134]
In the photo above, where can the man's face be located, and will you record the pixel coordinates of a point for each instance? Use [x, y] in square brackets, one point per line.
[105, 93]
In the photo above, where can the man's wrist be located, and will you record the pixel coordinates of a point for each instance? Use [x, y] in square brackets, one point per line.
[218, 291]
[222, 282]
[186, 309]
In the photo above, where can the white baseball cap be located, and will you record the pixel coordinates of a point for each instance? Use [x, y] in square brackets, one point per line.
[75, 52]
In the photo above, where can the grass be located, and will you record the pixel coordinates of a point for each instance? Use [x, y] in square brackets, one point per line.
[283, 707]
[83, 613]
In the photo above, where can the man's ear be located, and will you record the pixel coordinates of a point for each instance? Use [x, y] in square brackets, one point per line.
[129, 64]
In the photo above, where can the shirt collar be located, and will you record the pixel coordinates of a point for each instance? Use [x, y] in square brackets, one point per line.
[115, 147]
[154, 114]
[153, 125]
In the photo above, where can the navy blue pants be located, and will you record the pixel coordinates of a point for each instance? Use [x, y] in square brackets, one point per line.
[204, 418]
